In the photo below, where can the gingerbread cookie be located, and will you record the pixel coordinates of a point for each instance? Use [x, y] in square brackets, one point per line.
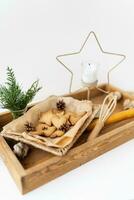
[41, 127]
[59, 113]
[46, 117]
[58, 121]
[57, 133]
[49, 131]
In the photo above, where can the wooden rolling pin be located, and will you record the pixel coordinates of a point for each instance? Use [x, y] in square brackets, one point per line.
[117, 117]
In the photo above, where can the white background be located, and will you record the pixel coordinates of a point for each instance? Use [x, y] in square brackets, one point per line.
[32, 34]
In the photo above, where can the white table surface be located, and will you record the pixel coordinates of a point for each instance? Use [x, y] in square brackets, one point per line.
[32, 34]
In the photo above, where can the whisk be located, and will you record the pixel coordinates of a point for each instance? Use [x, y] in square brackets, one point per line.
[107, 108]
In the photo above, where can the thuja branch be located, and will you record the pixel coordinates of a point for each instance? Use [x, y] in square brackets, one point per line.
[12, 96]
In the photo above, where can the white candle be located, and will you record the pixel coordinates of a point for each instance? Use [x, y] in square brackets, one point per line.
[89, 73]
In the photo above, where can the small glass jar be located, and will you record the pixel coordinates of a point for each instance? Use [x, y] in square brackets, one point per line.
[18, 113]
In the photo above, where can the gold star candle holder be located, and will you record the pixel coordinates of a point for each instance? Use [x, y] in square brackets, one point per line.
[97, 58]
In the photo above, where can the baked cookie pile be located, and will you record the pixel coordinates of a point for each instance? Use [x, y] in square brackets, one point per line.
[55, 122]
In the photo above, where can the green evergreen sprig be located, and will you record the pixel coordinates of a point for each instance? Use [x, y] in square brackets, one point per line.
[12, 96]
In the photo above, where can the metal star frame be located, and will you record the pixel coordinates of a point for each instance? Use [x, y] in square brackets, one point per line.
[78, 52]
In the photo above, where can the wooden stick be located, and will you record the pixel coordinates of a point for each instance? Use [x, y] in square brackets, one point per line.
[99, 125]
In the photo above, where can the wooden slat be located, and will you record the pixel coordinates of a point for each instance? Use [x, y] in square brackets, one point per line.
[56, 166]
[5, 117]
[12, 163]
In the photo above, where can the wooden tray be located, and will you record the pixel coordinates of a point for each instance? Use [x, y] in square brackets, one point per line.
[40, 167]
